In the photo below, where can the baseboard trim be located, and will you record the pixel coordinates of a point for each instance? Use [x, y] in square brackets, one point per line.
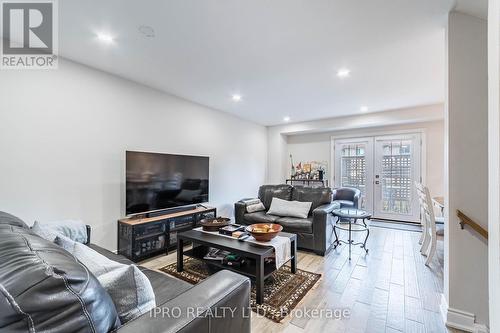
[443, 308]
[459, 319]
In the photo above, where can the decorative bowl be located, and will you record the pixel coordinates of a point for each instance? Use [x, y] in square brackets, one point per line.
[214, 224]
[264, 232]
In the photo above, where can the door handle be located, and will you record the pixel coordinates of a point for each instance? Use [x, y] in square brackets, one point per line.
[377, 182]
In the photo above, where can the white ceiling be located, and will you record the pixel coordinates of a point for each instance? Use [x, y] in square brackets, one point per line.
[280, 55]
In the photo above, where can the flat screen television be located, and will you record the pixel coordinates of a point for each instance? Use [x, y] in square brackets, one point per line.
[160, 181]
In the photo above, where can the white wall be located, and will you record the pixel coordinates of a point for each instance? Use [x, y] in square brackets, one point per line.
[63, 136]
[466, 159]
[494, 163]
[280, 136]
[317, 147]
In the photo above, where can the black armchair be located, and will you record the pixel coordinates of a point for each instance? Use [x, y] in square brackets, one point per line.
[347, 197]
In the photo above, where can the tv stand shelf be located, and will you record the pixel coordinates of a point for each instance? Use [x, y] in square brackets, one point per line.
[143, 238]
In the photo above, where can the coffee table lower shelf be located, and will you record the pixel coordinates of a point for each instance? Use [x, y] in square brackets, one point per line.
[248, 269]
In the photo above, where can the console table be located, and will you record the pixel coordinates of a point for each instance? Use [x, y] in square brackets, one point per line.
[142, 238]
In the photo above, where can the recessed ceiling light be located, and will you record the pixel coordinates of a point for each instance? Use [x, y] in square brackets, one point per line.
[286, 119]
[105, 37]
[343, 73]
[236, 98]
[363, 108]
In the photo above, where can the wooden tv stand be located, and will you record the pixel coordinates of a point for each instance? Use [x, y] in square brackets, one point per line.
[143, 238]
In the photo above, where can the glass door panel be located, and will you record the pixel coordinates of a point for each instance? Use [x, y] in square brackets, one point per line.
[354, 161]
[397, 167]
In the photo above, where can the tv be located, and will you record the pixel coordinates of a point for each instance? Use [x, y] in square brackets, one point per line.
[161, 181]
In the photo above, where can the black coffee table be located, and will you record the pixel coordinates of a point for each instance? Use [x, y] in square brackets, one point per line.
[255, 268]
[347, 219]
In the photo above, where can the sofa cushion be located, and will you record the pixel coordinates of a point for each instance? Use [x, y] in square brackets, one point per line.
[294, 224]
[256, 207]
[46, 233]
[73, 229]
[268, 192]
[6, 218]
[281, 207]
[43, 288]
[128, 287]
[317, 195]
[165, 287]
[94, 261]
[260, 217]
[130, 290]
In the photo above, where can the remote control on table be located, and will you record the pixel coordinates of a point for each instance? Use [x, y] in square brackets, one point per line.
[243, 236]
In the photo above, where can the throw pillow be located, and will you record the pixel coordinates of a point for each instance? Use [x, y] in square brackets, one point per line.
[93, 260]
[257, 207]
[250, 201]
[282, 207]
[129, 288]
[44, 232]
[73, 229]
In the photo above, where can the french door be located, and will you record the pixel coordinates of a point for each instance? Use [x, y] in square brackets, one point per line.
[354, 167]
[384, 169]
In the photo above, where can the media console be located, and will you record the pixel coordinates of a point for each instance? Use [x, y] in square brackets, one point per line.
[142, 238]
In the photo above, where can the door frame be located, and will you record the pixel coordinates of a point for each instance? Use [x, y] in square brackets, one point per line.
[356, 135]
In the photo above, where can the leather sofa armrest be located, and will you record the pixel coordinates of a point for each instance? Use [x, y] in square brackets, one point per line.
[322, 227]
[242, 201]
[240, 208]
[239, 211]
[220, 303]
[326, 209]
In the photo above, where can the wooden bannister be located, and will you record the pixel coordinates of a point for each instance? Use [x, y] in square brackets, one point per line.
[464, 219]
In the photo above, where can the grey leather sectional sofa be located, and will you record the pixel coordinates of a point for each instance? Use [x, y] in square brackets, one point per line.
[314, 232]
[43, 288]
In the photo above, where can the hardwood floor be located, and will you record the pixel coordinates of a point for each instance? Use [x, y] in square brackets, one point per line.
[388, 290]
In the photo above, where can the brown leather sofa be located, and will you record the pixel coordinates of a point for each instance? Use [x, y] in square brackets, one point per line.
[314, 232]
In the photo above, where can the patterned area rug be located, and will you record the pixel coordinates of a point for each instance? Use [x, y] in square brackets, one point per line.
[282, 291]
